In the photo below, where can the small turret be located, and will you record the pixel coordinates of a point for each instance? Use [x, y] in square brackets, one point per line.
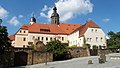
[55, 17]
[32, 20]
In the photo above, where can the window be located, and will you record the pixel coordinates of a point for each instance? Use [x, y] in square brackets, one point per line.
[42, 38]
[62, 38]
[87, 39]
[91, 30]
[96, 38]
[24, 31]
[101, 39]
[76, 42]
[54, 38]
[96, 30]
[20, 31]
[46, 38]
[33, 37]
[90, 39]
[51, 38]
[23, 46]
[24, 39]
[38, 38]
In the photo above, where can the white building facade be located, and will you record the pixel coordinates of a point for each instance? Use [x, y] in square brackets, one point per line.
[74, 34]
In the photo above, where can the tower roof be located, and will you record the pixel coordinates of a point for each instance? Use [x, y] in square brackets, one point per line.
[32, 19]
[55, 14]
[54, 8]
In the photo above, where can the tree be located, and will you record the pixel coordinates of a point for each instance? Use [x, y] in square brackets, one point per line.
[114, 41]
[4, 40]
[57, 48]
[6, 50]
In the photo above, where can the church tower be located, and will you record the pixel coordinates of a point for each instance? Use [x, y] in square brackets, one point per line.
[55, 17]
[32, 20]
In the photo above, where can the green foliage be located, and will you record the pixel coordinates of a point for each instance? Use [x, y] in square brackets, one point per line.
[88, 46]
[114, 41]
[94, 47]
[4, 40]
[56, 47]
[84, 45]
[100, 47]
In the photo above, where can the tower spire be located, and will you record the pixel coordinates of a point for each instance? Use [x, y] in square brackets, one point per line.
[55, 16]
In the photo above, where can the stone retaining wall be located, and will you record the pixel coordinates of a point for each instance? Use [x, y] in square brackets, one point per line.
[78, 52]
[39, 57]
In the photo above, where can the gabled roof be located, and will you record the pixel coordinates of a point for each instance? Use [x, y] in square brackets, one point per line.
[12, 37]
[84, 27]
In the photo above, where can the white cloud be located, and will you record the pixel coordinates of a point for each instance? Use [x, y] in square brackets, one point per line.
[14, 21]
[68, 9]
[106, 20]
[3, 12]
[43, 15]
[20, 16]
[45, 8]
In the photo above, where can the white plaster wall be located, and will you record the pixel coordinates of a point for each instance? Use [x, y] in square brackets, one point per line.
[97, 32]
[59, 37]
[74, 39]
[81, 42]
[19, 38]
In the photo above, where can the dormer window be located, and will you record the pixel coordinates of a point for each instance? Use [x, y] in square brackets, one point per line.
[44, 30]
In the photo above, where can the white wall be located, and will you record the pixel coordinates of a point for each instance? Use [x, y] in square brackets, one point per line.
[92, 33]
[74, 39]
[20, 35]
[59, 37]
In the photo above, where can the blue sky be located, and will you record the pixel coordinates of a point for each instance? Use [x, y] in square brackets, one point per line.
[105, 13]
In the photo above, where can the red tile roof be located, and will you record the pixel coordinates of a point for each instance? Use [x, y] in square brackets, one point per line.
[69, 28]
[84, 27]
[53, 29]
[12, 37]
[25, 26]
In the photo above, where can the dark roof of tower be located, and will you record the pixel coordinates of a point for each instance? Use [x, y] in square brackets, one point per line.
[32, 19]
[54, 8]
[55, 12]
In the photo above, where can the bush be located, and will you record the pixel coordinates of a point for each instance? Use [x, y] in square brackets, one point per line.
[100, 47]
[94, 47]
[57, 48]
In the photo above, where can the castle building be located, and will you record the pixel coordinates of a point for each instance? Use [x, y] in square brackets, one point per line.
[74, 34]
